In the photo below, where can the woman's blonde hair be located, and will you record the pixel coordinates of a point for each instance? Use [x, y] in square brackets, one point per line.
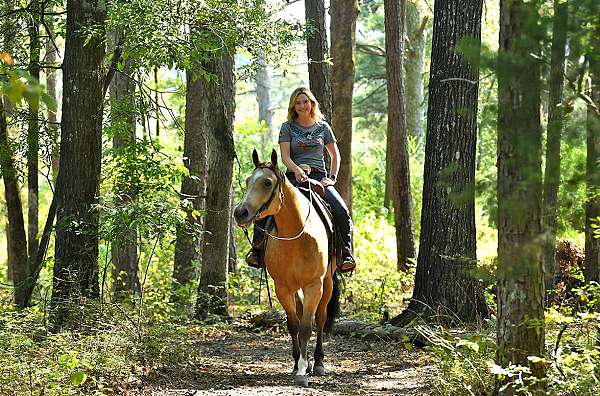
[315, 111]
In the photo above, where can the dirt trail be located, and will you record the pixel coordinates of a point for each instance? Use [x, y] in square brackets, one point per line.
[247, 363]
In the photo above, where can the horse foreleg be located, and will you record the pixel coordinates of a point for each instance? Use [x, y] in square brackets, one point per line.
[321, 318]
[287, 300]
[312, 296]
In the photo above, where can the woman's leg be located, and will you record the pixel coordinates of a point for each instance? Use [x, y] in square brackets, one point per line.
[254, 258]
[342, 219]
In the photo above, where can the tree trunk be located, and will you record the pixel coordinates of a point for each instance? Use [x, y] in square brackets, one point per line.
[555, 125]
[76, 246]
[319, 73]
[218, 110]
[520, 293]
[123, 119]
[343, 37]
[17, 241]
[263, 98]
[9, 258]
[445, 287]
[193, 187]
[397, 159]
[592, 207]
[33, 134]
[413, 66]
[232, 266]
[50, 59]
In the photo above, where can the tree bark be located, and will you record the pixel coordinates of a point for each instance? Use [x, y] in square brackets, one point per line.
[520, 287]
[397, 159]
[343, 37]
[218, 111]
[76, 247]
[50, 59]
[193, 187]
[555, 126]
[33, 134]
[232, 264]
[592, 207]
[123, 121]
[263, 98]
[445, 287]
[319, 73]
[416, 31]
[17, 241]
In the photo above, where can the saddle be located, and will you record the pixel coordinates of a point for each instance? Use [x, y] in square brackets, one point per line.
[316, 189]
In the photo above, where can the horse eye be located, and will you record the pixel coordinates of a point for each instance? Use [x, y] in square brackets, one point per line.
[268, 183]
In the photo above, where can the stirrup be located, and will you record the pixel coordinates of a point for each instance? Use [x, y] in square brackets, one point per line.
[347, 265]
[253, 259]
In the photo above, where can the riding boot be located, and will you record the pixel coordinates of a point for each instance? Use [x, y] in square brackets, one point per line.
[255, 257]
[347, 263]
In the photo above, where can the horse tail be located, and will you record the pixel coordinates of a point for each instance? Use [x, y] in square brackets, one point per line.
[333, 307]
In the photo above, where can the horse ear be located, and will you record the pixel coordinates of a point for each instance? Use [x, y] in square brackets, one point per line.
[274, 158]
[255, 158]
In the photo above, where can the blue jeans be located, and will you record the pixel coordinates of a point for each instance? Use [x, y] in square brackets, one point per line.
[339, 210]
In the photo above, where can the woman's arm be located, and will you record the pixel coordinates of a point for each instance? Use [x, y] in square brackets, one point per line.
[284, 148]
[334, 153]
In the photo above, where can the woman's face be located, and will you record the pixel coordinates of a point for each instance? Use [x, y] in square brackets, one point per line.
[303, 106]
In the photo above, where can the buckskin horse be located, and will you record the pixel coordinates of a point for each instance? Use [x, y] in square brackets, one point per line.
[296, 257]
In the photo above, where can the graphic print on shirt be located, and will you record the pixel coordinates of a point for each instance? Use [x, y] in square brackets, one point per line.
[308, 141]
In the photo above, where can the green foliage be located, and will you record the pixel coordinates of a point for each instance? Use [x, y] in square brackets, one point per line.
[181, 33]
[463, 361]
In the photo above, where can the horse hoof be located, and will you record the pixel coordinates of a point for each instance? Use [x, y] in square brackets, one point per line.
[301, 380]
[319, 370]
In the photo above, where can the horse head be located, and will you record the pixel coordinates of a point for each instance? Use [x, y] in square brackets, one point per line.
[261, 198]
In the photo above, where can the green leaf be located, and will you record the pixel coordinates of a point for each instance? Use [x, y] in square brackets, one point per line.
[78, 378]
[469, 345]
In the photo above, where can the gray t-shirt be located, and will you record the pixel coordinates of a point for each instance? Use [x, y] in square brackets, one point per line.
[307, 143]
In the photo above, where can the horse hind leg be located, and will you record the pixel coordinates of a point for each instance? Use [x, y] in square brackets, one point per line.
[287, 300]
[321, 318]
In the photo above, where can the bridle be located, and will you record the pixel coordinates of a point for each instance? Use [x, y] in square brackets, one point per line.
[279, 186]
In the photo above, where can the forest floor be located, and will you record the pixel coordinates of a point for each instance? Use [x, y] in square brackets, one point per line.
[251, 362]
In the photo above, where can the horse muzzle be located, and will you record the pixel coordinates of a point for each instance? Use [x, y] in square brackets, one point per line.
[243, 217]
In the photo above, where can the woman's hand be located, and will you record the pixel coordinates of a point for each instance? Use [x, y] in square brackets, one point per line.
[325, 182]
[301, 176]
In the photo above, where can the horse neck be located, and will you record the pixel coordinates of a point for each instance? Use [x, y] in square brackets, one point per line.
[292, 215]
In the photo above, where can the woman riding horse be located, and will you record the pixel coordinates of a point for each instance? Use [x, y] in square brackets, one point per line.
[301, 141]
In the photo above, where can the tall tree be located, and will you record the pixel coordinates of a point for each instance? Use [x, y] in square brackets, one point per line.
[343, 38]
[416, 32]
[397, 159]
[51, 73]
[217, 109]
[33, 132]
[520, 284]
[319, 72]
[555, 125]
[76, 246]
[16, 239]
[193, 186]
[263, 98]
[592, 207]
[123, 122]
[445, 285]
